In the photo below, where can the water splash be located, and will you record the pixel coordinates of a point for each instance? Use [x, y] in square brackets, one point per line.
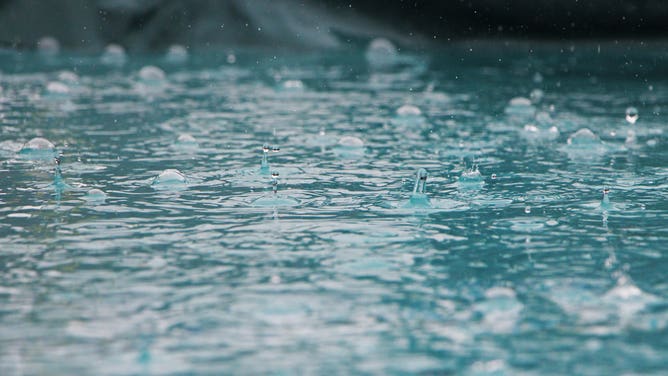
[419, 198]
[274, 199]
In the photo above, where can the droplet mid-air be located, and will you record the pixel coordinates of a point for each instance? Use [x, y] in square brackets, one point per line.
[38, 148]
[382, 54]
[631, 115]
[114, 54]
[176, 54]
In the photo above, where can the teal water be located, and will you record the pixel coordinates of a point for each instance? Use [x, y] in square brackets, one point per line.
[513, 263]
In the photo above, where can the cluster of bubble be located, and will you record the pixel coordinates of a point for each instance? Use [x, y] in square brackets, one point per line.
[380, 55]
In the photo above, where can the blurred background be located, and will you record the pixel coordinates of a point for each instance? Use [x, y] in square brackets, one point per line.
[145, 25]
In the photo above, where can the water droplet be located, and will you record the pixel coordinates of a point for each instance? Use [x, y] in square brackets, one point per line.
[293, 86]
[170, 177]
[408, 110]
[57, 89]
[68, 77]
[176, 54]
[471, 179]
[48, 46]
[113, 54]
[382, 54]
[95, 196]
[151, 75]
[527, 209]
[351, 142]
[38, 148]
[631, 115]
[493, 176]
[537, 78]
[419, 198]
[520, 107]
[583, 136]
[536, 95]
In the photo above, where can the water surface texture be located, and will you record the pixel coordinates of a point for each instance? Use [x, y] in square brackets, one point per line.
[163, 244]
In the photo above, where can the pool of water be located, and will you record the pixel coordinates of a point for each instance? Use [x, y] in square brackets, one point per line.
[511, 261]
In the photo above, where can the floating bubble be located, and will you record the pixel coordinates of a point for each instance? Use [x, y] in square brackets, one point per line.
[409, 115]
[151, 74]
[293, 86]
[95, 196]
[114, 54]
[231, 59]
[631, 115]
[176, 54]
[186, 141]
[38, 148]
[537, 78]
[48, 46]
[536, 96]
[409, 110]
[68, 77]
[382, 54]
[170, 178]
[520, 106]
[55, 89]
[583, 137]
[349, 147]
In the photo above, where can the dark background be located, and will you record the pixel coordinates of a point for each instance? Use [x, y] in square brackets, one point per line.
[312, 24]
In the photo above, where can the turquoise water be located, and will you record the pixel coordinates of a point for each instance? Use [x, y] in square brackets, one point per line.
[509, 260]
